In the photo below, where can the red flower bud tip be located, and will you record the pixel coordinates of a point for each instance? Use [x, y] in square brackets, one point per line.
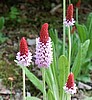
[73, 29]
[44, 35]
[70, 81]
[69, 13]
[23, 47]
[78, 4]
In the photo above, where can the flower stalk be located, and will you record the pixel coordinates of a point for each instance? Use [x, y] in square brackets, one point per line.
[44, 88]
[77, 15]
[69, 1]
[24, 93]
[23, 57]
[64, 7]
[44, 53]
[69, 37]
[11, 81]
[11, 91]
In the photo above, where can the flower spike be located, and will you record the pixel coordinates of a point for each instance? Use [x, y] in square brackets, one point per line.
[24, 56]
[43, 48]
[70, 86]
[69, 21]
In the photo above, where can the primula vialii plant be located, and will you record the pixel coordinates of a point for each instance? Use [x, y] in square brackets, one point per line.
[23, 57]
[70, 86]
[44, 53]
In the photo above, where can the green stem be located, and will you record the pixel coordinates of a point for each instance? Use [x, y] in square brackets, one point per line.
[11, 91]
[69, 1]
[24, 85]
[64, 10]
[53, 85]
[44, 89]
[69, 37]
[77, 15]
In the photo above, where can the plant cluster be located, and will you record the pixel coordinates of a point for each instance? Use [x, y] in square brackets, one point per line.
[59, 61]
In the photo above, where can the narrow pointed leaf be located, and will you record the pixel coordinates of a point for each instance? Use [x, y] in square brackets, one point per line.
[80, 58]
[82, 32]
[85, 46]
[77, 63]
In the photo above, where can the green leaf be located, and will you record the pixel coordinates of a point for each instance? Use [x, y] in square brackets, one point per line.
[32, 98]
[50, 95]
[89, 23]
[82, 32]
[56, 40]
[90, 66]
[33, 79]
[63, 73]
[1, 23]
[75, 45]
[77, 63]
[85, 46]
[90, 46]
[80, 58]
[84, 78]
[53, 35]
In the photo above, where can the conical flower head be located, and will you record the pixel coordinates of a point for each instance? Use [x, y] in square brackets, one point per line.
[70, 86]
[23, 47]
[44, 35]
[70, 81]
[43, 48]
[24, 56]
[69, 21]
[69, 15]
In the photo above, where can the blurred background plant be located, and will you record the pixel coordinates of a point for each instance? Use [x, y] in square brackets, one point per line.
[2, 37]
